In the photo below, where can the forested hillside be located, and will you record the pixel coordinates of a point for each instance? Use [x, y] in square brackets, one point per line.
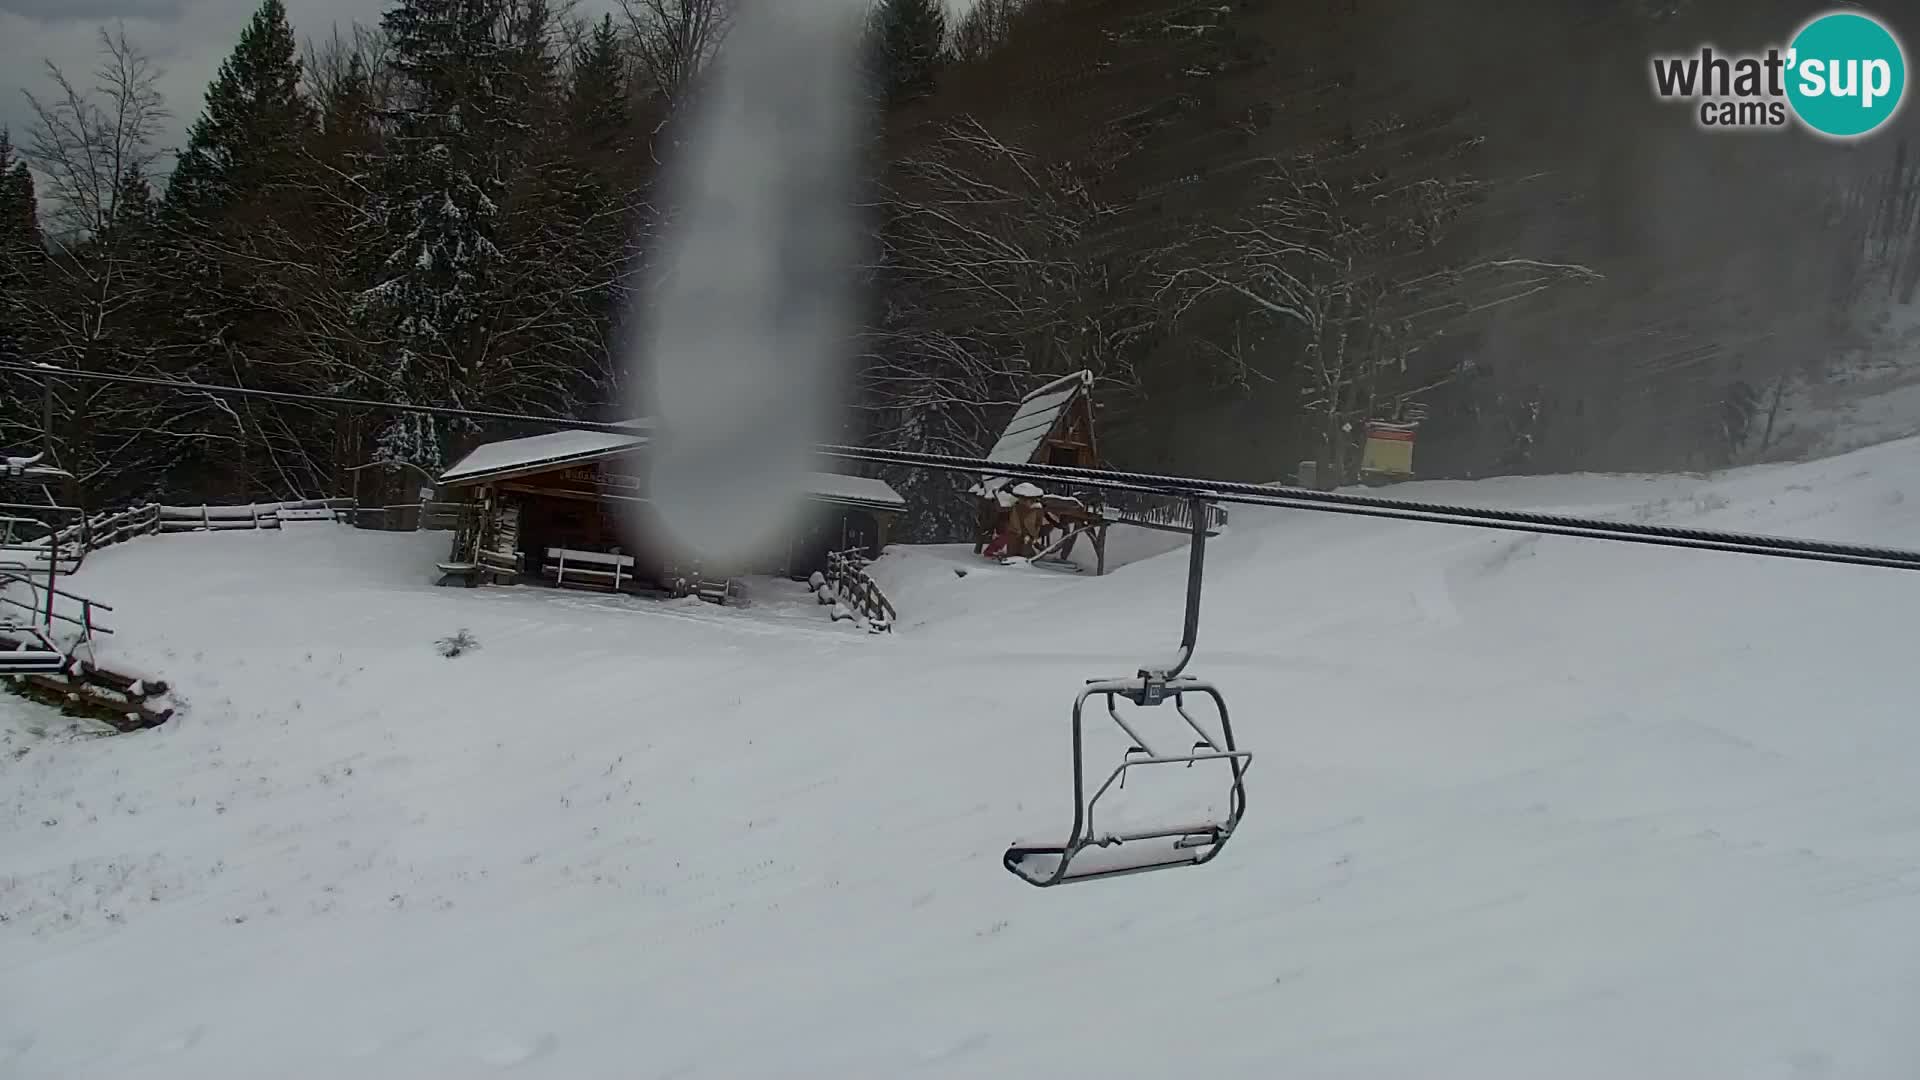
[1259, 222]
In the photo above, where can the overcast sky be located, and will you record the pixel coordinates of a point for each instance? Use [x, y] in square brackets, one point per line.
[187, 40]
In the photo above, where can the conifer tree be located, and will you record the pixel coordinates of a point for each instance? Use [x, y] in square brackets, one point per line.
[909, 37]
[19, 218]
[438, 206]
[255, 120]
[344, 247]
[605, 200]
[234, 232]
[19, 241]
[597, 108]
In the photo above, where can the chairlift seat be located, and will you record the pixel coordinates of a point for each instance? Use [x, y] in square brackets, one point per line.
[36, 656]
[1088, 852]
[1041, 864]
[32, 662]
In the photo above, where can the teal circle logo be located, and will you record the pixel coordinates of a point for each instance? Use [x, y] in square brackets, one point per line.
[1846, 75]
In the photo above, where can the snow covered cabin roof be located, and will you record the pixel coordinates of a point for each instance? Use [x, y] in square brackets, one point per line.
[511, 458]
[1036, 418]
[539, 453]
[854, 491]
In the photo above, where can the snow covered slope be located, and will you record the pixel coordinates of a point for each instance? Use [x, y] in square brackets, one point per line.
[1519, 808]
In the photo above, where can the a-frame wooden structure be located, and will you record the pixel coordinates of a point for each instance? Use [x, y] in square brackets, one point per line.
[1053, 425]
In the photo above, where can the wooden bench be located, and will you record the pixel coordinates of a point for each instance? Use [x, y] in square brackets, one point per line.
[567, 566]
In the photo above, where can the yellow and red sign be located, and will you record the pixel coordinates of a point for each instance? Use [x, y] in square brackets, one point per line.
[1389, 449]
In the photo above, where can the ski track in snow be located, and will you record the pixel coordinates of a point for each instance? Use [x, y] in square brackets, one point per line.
[1520, 806]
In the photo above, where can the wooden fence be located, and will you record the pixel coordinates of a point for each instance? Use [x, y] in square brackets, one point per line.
[114, 527]
[125, 702]
[249, 516]
[846, 584]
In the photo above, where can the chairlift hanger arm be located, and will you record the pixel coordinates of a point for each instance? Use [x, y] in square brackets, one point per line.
[1190, 626]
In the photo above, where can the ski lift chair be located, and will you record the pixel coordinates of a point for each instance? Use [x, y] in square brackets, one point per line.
[18, 549]
[1088, 852]
[33, 652]
[29, 648]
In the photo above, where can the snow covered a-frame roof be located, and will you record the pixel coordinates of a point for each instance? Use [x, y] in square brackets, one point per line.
[539, 453]
[558, 450]
[1039, 413]
[854, 491]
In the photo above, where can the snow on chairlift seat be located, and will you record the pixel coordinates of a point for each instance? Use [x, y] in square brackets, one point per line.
[34, 655]
[25, 661]
[1039, 863]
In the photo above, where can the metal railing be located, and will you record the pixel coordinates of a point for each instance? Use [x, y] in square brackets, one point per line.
[1158, 511]
[43, 611]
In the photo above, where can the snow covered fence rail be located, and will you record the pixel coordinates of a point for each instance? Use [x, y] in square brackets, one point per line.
[248, 516]
[118, 526]
[847, 584]
[96, 532]
[109, 529]
[104, 530]
[410, 517]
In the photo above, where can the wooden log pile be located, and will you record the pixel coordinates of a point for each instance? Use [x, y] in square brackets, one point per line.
[123, 702]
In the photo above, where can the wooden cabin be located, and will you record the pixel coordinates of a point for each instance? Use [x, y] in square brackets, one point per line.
[559, 507]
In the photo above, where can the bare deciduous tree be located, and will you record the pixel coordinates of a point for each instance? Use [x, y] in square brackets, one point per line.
[989, 285]
[984, 27]
[674, 39]
[977, 248]
[99, 302]
[85, 144]
[1341, 283]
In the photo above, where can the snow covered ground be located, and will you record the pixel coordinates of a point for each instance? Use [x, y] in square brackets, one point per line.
[1519, 808]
